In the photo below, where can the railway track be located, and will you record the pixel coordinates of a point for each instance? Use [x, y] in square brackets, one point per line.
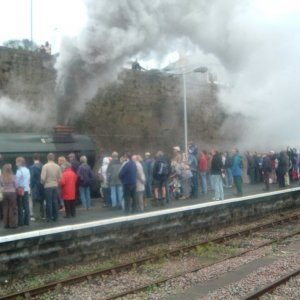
[273, 285]
[123, 267]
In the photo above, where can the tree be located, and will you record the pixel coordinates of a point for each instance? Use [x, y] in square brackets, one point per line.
[24, 44]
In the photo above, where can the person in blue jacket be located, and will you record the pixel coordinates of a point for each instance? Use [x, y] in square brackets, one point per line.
[128, 176]
[237, 171]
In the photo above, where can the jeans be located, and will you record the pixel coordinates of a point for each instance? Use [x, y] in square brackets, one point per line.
[139, 201]
[23, 209]
[148, 188]
[203, 176]
[116, 193]
[70, 208]
[51, 195]
[238, 184]
[229, 177]
[217, 185]
[85, 196]
[129, 197]
[194, 179]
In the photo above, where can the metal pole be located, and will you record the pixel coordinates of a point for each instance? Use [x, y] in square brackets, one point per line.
[185, 115]
[31, 30]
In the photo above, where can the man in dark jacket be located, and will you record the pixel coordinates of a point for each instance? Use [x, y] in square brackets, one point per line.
[161, 172]
[128, 175]
[37, 189]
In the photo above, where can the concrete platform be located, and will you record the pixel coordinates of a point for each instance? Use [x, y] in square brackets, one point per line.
[103, 233]
[98, 212]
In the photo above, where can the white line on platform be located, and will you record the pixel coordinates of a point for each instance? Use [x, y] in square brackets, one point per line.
[65, 228]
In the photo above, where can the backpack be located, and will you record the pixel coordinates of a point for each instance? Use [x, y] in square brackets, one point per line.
[163, 168]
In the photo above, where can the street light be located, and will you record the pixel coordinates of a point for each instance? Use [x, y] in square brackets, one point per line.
[31, 26]
[197, 70]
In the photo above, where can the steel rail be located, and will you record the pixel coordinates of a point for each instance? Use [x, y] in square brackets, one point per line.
[122, 267]
[165, 279]
[270, 287]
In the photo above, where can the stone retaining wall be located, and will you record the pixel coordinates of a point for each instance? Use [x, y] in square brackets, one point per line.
[45, 251]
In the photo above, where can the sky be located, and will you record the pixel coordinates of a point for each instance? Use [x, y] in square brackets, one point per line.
[54, 19]
[51, 19]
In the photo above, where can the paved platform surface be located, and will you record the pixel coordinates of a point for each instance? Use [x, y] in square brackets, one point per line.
[98, 212]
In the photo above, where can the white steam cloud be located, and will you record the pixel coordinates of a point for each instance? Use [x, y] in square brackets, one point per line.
[259, 50]
[20, 113]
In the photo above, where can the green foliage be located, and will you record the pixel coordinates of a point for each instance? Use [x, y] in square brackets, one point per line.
[24, 44]
[213, 250]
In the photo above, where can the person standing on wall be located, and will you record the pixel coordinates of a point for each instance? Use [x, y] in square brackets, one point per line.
[50, 177]
[237, 171]
[23, 182]
[85, 179]
[8, 184]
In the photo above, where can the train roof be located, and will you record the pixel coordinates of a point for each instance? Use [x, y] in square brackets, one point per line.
[34, 142]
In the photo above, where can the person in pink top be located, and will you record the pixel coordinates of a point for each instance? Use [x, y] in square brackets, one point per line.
[8, 183]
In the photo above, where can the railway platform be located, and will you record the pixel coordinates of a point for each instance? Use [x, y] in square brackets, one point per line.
[98, 212]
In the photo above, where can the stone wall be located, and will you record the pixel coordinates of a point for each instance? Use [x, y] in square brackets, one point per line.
[71, 244]
[141, 111]
[144, 111]
[29, 78]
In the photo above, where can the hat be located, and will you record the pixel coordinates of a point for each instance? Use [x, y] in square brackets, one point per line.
[147, 154]
[176, 148]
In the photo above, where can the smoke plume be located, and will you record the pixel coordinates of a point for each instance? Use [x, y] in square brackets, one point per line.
[20, 113]
[259, 51]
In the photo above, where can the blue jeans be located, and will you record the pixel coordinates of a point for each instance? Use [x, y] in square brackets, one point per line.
[148, 188]
[129, 197]
[229, 177]
[51, 195]
[217, 185]
[23, 209]
[85, 196]
[194, 179]
[203, 176]
[116, 195]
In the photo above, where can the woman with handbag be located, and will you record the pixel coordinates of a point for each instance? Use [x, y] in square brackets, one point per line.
[23, 181]
[8, 185]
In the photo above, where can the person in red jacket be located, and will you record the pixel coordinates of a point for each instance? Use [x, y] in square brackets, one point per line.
[68, 190]
[203, 170]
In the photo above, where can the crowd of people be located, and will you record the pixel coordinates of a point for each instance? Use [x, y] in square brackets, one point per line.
[130, 182]
[51, 186]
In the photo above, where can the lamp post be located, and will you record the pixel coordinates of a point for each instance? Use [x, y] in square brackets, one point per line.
[185, 117]
[31, 27]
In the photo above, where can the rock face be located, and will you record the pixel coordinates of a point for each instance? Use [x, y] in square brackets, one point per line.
[144, 111]
[28, 78]
[141, 111]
